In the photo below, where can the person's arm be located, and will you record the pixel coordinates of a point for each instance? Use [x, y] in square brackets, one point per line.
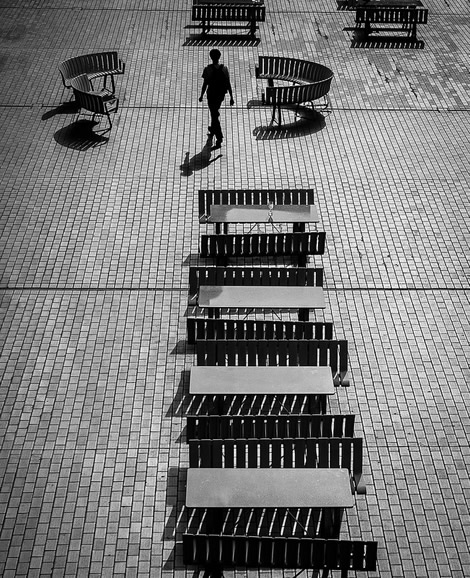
[203, 90]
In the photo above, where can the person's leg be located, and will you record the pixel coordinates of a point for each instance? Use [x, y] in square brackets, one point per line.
[214, 107]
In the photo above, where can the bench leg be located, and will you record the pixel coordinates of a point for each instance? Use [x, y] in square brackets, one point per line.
[253, 27]
[303, 314]
[276, 108]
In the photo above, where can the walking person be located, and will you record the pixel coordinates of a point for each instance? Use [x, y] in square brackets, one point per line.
[217, 82]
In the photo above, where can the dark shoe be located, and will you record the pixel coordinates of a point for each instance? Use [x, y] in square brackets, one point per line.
[218, 144]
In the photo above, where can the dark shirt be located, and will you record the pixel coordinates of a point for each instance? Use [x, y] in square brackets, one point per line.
[216, 86]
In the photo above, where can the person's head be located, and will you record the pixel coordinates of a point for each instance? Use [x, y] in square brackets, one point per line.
[215, 55]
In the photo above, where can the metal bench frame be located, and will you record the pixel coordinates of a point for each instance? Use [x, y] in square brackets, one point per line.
[269, 426]
[207, 11]
[214, 552]
[408, 18]
[296, 352]
[206, 198]
[253, 276]
[220, 328]
[101, 102]
[249, 245]
[281, 453]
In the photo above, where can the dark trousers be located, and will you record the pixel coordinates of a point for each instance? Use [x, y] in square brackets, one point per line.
[214, 103]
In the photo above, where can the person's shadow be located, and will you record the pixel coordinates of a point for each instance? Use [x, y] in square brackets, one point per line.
[199, 161]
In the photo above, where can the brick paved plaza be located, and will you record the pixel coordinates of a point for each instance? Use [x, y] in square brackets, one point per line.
[98, 232]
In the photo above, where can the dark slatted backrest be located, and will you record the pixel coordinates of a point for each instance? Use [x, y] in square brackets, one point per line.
[89, 101]
[327, 352]
[206, 198]
[277, 453]
[88, 64]
[81, 83]
[254, 276]
[270, 426]
[279, 552]
[262, 244]
[242, 329]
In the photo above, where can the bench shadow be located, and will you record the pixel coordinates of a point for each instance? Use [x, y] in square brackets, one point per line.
[80, 136]
[69, 107]
[345, 4]
[199, 161]
[182, 400]
[221, 40]
[361, 40]
[307, 122]
[183, 348]
[176, 523]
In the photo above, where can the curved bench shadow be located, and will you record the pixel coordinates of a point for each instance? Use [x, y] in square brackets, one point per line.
[69, 107]
[307, 122]
[80, 136]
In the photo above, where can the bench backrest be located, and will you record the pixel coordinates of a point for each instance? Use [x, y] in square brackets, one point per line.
[253, 197]
[199, 2]
[262, 245]
[88, 64]
[204, 328]
[297, 94]
[279, 552]
[269, 426]
[297, 352]
[254, 276]
[90, 101]
[309, 452]
[381, 15]
[81, 83]
[292, 69]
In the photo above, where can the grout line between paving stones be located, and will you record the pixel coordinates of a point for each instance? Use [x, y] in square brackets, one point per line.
[184, 289]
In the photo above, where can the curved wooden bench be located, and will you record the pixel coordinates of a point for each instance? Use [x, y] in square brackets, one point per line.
[96, 101]
[99, 64]
[311, 82]
[216, 552]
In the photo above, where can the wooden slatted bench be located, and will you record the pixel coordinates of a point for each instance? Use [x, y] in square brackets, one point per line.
[208, 11]
[252, 276]
[311, 82]
[269, 426]
[407, 18]
[281, 453]
[329, 352]
[296, 245]
[101, 102]
[99, 64]
[216, 552]
[208, 198]
[204, 328]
